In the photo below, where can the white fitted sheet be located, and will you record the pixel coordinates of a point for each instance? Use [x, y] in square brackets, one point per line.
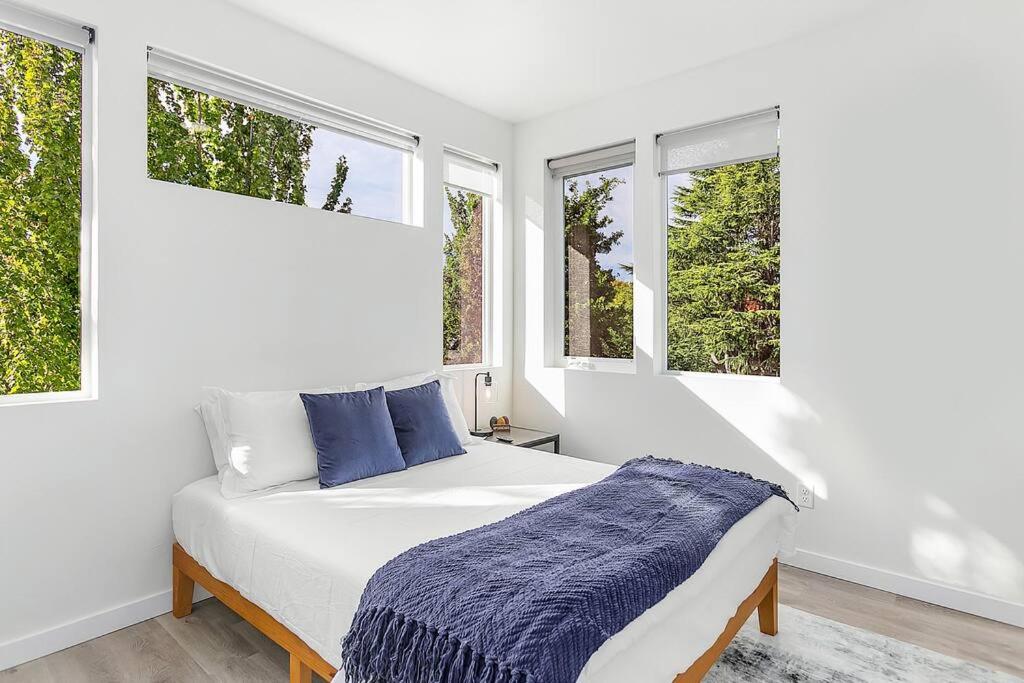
[304, 554]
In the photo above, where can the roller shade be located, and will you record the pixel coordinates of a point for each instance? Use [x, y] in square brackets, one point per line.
[613, 154]
[745, 138]
[189, 73]
[469, 172]
[71, 35]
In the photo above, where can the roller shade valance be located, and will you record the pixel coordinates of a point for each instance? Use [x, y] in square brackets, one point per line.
[69, 34]
[189, 73]
[615, 153]
[744, 138]
[469, 172]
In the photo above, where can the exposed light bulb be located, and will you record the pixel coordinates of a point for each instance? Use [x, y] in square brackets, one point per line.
[488, 393]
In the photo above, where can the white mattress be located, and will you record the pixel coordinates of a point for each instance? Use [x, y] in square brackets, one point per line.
[304, 554]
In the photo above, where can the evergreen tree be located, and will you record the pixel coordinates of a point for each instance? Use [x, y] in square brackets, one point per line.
[462, 279]
[598, 306]
[723, 271]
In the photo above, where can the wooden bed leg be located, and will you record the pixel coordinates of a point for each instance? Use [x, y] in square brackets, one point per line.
[182, 587]
[768, 609]
[298, 671]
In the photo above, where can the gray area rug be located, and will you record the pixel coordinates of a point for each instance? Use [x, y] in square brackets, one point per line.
[812, 649]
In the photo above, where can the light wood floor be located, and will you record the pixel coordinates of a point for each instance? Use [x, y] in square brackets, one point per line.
[213, 644]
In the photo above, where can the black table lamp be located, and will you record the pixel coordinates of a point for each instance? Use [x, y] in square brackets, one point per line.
[476, 402]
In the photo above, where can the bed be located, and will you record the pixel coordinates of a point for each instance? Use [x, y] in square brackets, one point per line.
[294, 560]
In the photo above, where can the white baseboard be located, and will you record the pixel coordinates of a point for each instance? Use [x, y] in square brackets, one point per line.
[17, 652]
[960, 599]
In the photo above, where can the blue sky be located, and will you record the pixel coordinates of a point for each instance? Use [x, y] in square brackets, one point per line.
[620, 210]
[374, 177]
[675, 181]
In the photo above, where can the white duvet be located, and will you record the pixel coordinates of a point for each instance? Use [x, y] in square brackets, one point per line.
[304, 554]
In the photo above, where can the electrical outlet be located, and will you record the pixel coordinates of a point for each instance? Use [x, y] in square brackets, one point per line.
[805, 496]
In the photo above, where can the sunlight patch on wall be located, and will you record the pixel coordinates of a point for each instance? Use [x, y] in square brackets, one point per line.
[768, 414]
[961, 554]
[548, 382]
[643, 309]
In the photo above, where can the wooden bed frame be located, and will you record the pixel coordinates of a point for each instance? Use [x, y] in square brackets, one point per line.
[304, 661]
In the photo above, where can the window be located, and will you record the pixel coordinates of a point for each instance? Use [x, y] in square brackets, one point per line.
[45, 207]
[597, 255]
[469, 189]
[220, 131]
[723, 255]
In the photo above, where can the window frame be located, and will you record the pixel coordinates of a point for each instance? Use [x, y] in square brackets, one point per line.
[487, 259]
[590, 162]
[661, 259]
[81, 39]
[172, 67]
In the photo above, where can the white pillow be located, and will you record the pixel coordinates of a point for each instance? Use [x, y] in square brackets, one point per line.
[259, 439]
[451, 400]
[210, 410]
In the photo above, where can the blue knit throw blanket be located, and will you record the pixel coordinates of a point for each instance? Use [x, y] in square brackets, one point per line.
[530, 598]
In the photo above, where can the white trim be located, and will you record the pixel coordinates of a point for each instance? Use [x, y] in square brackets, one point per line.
[605, 159]
[190, 73]
[45, 397]
[487, 307]
[41, 643]
[88, 257]
[661, 251]
[73, 36]
[28, 22]
[960, 599]
[623, 365]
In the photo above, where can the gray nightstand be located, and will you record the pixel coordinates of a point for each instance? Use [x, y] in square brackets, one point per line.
[525, 438]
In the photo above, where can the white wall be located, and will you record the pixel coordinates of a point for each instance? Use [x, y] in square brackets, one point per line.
[902, 149]
[198, 287]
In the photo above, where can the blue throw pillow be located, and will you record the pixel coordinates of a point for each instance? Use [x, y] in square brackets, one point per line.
[353, 435]
[422, 424]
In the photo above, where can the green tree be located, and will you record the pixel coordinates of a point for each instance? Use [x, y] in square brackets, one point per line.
[333, 201]
[598, 305]
[40, 216]
[462, 279]
[205, 141]
[723, 271]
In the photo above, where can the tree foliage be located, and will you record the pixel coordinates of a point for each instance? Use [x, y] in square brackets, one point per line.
[723, 271]
[40, 216]
[598, 305]
[205, 141]
[462, 279]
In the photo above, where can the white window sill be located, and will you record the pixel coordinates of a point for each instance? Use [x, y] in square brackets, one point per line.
[686, 375]
[52, 397]
[621, 366]
[482, 367]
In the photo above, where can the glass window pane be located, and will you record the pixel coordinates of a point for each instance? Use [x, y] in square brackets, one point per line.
[465, 217]
[723, 269]
[205, 141]
[40, 216]
[598, 218]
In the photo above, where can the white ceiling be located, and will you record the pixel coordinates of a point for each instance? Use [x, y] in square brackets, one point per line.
[518, 59]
